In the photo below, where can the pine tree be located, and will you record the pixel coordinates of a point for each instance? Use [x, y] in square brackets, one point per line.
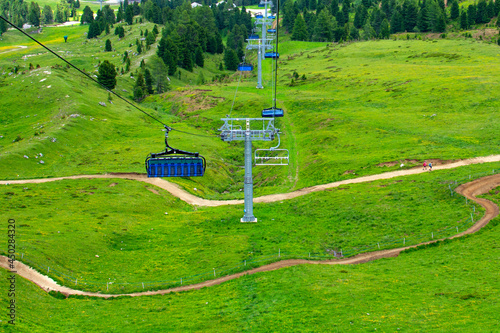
[440, 23]
[129, 15]
[87, 16]
[368, 31]
[93, 30]
[354, 34]
[300, 29]
[47, 15]
[463, 20]
[471, 15]
[422, 19]
[397, 24]
[230, 59]
[410, 15]
[150, 39]
[323, 27]
[455, 10]
[482, 13]
[334, 7]
[108, 47]
[171, 56]
[491, 10]
[107, 75]
[148, 78]
[140, 88]
[3, 27]
[34, 14]
[385, 30]
[359, 16]
[345, 11]
[186, 59]
[199, 60]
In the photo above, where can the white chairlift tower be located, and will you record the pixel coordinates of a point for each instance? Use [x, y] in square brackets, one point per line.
[248, 130]
[265, 42]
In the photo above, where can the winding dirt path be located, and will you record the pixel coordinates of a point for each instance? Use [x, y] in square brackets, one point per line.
[469, 190]
[189, 198]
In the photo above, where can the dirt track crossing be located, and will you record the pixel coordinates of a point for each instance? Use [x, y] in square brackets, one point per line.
[469, 190]
[176, 191]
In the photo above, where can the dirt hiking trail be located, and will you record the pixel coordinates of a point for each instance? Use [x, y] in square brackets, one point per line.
[469, 190]
[189, 198]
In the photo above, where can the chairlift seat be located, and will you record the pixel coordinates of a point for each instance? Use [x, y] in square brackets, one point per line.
[175, 166]
[272, 112]
[262, 5]
[271, 31]
[254, 36]
[259, 16]
[272, 156]
[271, 17]
[271, 55]
[245, 67]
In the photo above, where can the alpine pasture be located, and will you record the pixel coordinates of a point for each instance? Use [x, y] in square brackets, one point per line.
[357, 109]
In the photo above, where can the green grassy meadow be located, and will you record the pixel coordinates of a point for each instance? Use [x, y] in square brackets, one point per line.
[414, 97]
[449, 287]
[362, 108]
[63, 226]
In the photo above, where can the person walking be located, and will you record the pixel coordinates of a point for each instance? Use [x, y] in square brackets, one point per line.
[425, 166]
[430, 166]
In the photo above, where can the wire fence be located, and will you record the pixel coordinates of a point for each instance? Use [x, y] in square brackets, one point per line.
[112, 286]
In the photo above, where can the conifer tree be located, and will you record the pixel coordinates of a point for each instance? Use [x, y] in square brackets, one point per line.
[455, 10]
[323, 27]
[148, 78]
[471, 15]
[385, 30]
[410, 15]
[300, 29]
[397, 24]
[107, 75]
[108, 47]
[230, 59]
[199, 60]
[463, 20]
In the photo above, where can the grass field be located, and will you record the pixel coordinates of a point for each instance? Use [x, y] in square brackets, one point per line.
[63, 225]
[450, 287]
[363, 108]
[414, 97]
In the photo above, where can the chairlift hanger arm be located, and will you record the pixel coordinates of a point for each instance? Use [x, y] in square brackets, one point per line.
[170, 150]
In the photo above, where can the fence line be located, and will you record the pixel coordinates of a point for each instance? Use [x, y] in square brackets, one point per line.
[69, 281]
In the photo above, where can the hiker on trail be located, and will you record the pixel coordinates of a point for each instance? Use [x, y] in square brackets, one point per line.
[425, 166]
[430, 166]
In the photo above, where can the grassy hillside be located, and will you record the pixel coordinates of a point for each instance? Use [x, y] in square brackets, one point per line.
[450, 287]
[64, 225]
[368, 104]
[356, 109]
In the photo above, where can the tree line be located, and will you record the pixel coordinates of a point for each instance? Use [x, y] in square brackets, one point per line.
[20, 12]
[331, 20]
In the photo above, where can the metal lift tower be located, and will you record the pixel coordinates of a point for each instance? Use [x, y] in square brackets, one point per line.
[232, 130]
[261, 44]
